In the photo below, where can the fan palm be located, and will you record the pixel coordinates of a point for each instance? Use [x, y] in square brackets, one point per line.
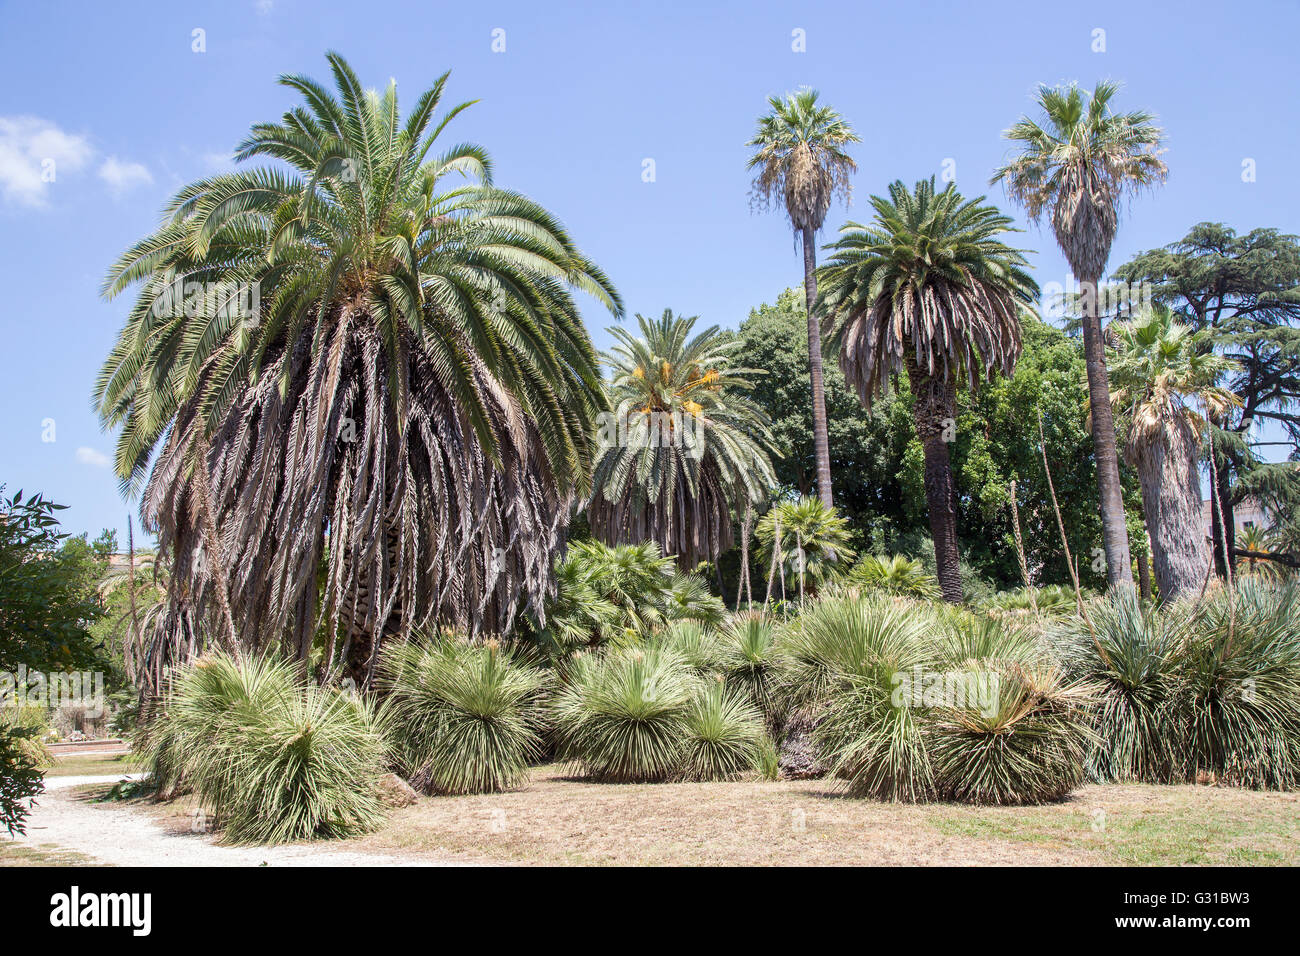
[684, 446]
[1076, 165]
[801, 163]
[928, 288]
[394, 431]
[805, 542]
[1162, 378]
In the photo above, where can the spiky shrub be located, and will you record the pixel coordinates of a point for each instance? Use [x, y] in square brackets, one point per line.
[1008, 727]
[623, 715]
[1050, 599]
[1131, 654]
[689, 599]
[693, 641]
[1238, 696]
[845, 654]
[894, 575]
[750, 657]
[465, 717]
[724, 734]
[277, 759]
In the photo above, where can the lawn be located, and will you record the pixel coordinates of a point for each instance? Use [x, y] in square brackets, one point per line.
[45, 854]
[92, 765]
[559, 820]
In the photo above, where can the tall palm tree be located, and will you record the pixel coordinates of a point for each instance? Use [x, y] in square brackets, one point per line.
[928, 288]
[684, 447]
[801, 164]
[390, 427]
[1163, 379]
[1076, 165]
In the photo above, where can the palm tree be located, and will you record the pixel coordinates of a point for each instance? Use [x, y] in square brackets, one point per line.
[684, 447]
[1163, 378]
[1076, 166]
[805, 544]
[802, 165]
[377, 404]
[929, 289]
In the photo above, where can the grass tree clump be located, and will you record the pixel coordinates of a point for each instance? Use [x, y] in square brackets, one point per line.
[1009, 727]
[466, 717]
[1237, 705]
[895, 575]
[276, 758]
[845, 654]
[750, 657]
[624, 715]
[724, 734]
[693, 641]
[1131, 654]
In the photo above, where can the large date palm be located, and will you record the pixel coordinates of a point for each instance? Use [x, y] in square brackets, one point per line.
[928, 289]
[801, 164]
[1075, 166]
[684, 448]
[381, 411]
[1163, 379]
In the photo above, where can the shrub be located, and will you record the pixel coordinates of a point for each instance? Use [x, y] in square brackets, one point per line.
[277, 759]
[750, 658]
[465, 718]
[1131, 655]
[624, 714]
[694, 642]
[1050, 599]
[894, 575]
[844, 654]
[1021, 731]
[1237, 703]
[20, 774]
[724, 734]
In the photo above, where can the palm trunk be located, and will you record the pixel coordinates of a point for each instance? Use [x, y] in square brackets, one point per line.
[821, 442]
[936, 400]
[1114, 532]
[1171, 499]
[1229, 519]
[1144, 575]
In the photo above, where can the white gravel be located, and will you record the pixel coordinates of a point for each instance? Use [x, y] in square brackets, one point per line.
[120, 835]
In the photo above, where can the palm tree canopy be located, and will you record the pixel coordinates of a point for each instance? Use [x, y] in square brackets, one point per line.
[1162, 371]
[927, 282]
[1078, 161]
[384, 351]
[684, 445]
[800, 158]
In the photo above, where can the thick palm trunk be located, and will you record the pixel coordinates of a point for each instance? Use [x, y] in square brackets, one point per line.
[821, 442]
[935, 402]
[1114, 532]
[1171, 499]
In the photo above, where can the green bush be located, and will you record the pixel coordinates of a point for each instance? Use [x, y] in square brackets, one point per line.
[750, 658]
[1131, 654]
[1050, 599]
[276, 758]
[464, 718]
[1237, 704]
[894, 575]
[724, 734]
[694, 642]
[20, 774]
[623, 716]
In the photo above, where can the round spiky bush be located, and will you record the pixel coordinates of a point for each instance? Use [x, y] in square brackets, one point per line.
[750, 656]
[466, 718]
[1050, 599]
[276, 758]
[1238, 699]
[895, 575]
[1027, 746]
[846, 657]
[724, 734]
[1131, 654]
[623, 716]
[695, 642]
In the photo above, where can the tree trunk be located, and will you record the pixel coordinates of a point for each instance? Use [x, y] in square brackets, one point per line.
[821, 442]
[1171, 498]
[1114, 532]
[1144, 575]
[935, 401]
[1229, 519]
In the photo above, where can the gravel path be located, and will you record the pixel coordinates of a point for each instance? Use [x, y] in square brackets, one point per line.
[120, 835]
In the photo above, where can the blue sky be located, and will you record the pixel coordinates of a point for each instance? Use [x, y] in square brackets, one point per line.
[580, 97]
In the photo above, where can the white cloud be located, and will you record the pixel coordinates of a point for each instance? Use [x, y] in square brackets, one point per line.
[122, 176]
[88, 456]
[34, 153]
